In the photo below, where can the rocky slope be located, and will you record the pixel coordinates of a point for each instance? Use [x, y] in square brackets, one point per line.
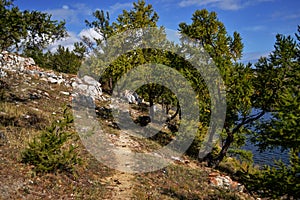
[32, 97]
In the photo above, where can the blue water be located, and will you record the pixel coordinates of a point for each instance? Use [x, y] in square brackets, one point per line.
[266, 157]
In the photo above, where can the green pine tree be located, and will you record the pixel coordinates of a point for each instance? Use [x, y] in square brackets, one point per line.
[225, 50]
[51, 151]
[278, 94]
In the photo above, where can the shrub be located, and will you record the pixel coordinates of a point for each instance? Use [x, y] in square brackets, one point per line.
[279, 181]
[63, 60]
[51, 151]
[198, 142]
[40, 58]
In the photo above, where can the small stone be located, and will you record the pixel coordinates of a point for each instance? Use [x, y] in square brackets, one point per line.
[44, 79]
[64, 93]
[46, 94]
[176, 158]
[52, 80]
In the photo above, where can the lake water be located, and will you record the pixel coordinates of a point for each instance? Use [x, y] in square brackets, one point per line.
[267, 157]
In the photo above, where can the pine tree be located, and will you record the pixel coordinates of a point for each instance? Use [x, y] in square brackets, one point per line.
[50, 151]
[29, 30]
[141, 17]
[278, 94]
[209, 32]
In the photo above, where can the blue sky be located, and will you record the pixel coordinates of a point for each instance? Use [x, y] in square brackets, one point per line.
[258, 21]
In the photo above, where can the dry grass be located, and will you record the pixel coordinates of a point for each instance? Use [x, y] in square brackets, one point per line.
[179, 182]
[22, 117]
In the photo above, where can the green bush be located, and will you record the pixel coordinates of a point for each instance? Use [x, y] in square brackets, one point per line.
[198, 142]
[280, 181]
[51, 151]
[63, 60]
[40, 58]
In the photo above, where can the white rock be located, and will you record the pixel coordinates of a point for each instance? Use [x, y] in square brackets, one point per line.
[90, 81]
[30, 61]
[2, 73]
[64, 93]
[52, 80]
[60, 81]
[82, 88]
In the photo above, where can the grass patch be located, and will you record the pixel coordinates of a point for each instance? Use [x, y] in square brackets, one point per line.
[178, 182]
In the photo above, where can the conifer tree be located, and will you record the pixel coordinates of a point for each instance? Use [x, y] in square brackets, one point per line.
[51, 151]
[209, 32]
[277, 94]
[31, 30]
[141, 17]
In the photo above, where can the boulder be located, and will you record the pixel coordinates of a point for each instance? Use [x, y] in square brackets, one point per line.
[52, 80]
[87, 86]
[90, 81]
[218, 180]
[131, 97]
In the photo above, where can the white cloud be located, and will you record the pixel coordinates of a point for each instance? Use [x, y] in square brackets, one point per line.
[292, 16]
[65, 7]
[71, 14]
[255, 28]
[186, 3]
[69, 41]
[83, 9]
[230, 5]
[285, 15]
[221, 4]
[65, 42]
[90, 34]
[119, 6]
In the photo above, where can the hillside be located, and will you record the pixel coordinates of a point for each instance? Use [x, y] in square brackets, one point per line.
[32, 98]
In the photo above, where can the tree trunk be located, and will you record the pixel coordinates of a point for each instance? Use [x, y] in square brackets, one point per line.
[151, 103]
[175, 114]
[222, 154]
[110, 85]
[214, 162]
[167, 109]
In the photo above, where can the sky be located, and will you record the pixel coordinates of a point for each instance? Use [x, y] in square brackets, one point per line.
[258, 21]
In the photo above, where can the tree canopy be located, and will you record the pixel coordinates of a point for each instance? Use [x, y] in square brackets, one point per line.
[27, 29]
[225, 50]
[278, 77]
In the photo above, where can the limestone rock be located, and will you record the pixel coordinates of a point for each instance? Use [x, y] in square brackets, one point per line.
[131, 97]
[21, 65]
[218, 180]
[87, 86]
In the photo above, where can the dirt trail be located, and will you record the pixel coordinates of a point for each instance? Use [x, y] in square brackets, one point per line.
[122, 183]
